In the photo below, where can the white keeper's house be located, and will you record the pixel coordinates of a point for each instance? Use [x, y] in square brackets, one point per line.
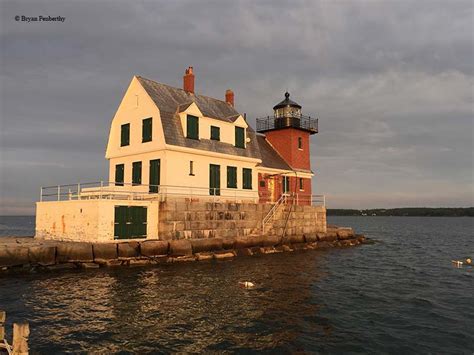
[169, 142]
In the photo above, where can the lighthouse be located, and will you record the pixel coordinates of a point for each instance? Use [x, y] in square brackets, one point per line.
[288, 131]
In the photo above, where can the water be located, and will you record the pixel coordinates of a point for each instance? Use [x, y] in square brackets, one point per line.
[400, 295]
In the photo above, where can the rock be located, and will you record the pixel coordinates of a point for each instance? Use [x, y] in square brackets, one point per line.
[104, 251]
[89, 266]
[112, 263]
[249, 241]
[269, 250]
[286, 248]
[154, 247]
[310, 238]
[204, 256]
[345, 243]
[361, 238]
[228, 243]
[140, 262]
[11, 256]
[181, 247]
[327, 237]
[225, 255]
[178, 259]
[63, 266]
[206, 244]
[74, 252]
[128, 250]
[43, 255]
[323, 245]
[271, 240]
[243, 252]
[345, 233]
[293, 239]
[299, 246]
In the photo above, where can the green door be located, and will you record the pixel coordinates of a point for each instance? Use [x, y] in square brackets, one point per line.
[154, 175]
[214, 179]
[130, 222]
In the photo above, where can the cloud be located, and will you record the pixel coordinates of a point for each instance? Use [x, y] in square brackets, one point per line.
[392, 84]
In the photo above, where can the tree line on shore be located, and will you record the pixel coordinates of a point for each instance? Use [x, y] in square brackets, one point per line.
[408, 211]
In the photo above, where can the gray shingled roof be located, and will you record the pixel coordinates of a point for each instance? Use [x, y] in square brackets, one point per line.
[270, 157]
[172, 100]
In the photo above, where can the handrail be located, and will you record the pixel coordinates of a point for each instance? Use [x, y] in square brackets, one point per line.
[273, 210]
[130, 191]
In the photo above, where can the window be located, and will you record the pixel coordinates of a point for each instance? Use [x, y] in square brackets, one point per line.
[119, 173]
[262, 183]
[239, 137]
[154, 177]
[191, 168]
[301, 184]
[215, 133]
[137, 173]
[232, 177]
[300, 143]
[125, 135]
[146, 130]
[214, 179]
[192, 127]
[247, 178]
[286, 184]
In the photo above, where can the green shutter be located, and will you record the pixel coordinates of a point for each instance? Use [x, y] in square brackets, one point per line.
[232, 177]
[137, 173]
[125, 135]
[239, 137]
[215, 133]
[247, 178]
[146, 130]
[192, 127]
[154, 175]
[119, 174]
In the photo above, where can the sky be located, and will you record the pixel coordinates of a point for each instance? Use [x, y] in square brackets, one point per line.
[390, 81]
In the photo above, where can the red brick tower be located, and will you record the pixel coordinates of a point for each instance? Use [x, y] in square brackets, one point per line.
[289, 131]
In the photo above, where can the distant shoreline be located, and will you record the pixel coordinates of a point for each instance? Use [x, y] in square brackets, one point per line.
[404, 212]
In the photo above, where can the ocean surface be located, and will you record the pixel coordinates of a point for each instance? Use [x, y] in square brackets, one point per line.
[400, 295]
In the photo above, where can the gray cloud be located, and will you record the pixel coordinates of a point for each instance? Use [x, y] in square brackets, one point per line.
[392, 83]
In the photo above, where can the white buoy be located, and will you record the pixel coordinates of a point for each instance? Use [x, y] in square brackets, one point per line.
[246, 284]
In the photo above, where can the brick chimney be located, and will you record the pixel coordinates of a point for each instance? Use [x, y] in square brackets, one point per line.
[229, 97]
[188, 80]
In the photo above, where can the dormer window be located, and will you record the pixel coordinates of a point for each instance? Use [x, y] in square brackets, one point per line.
[125, 135]
[215, 133]
[239, 137]
[146, 130]
[192, 127]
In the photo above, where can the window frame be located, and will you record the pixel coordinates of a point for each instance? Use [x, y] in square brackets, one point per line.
[149, 137]
[240, 129]
[125, 139]
[301, 184]
[247, 184]
[300, 143]
[191, 168]
[232, 184]
[190, 134]
[215, 129]
[134, 169]
[119, 183]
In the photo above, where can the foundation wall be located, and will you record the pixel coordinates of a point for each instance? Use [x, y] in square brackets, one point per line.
[87, 220]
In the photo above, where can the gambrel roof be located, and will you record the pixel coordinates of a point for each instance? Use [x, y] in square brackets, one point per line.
[171, 101]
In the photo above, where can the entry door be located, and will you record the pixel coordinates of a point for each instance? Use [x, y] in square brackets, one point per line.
[130, 222]
[271, 189]
[214, 179]
[154, 175]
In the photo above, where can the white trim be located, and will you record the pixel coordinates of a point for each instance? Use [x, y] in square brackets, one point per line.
[177, 148]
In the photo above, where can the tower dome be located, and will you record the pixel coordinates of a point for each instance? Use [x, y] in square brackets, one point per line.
[286, 103]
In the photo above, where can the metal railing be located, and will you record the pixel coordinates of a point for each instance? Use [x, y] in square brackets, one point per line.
[128, 191]
[292, 120]
[273, 211]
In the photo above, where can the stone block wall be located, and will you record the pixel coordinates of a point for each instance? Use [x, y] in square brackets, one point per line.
[179, 219]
